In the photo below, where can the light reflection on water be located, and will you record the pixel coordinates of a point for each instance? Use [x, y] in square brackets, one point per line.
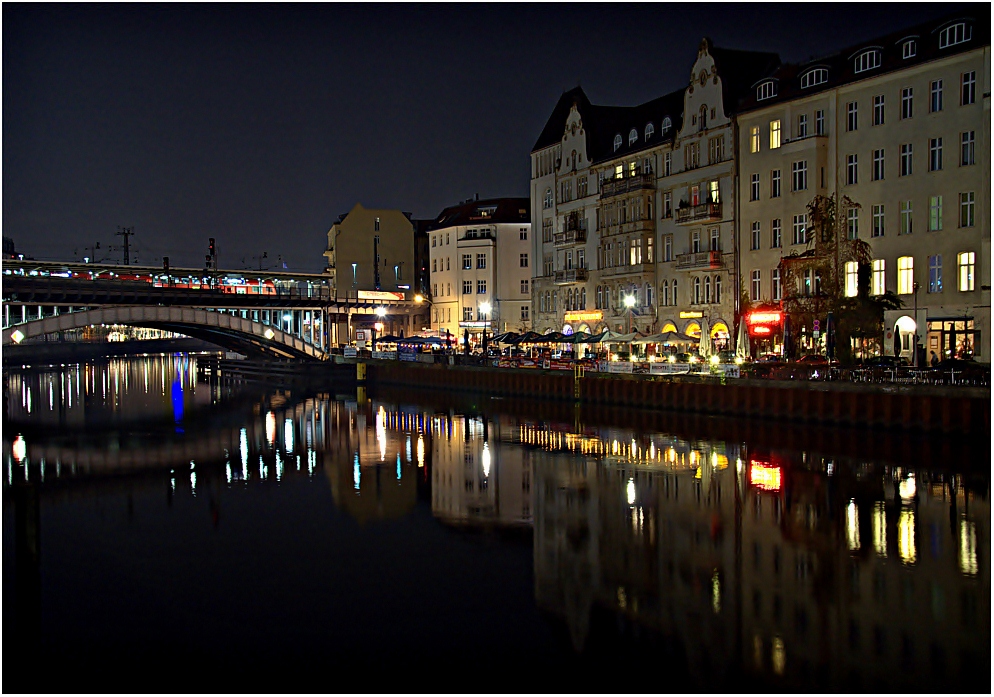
[807, 570]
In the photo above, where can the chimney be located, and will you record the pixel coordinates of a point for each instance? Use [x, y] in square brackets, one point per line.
[477, 197]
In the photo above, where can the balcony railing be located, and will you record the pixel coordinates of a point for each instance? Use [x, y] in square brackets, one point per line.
[632, 227]
[613, 187]
[703, 213]
[570, 237]
[628, 270]
[571, 276]
[700, 260]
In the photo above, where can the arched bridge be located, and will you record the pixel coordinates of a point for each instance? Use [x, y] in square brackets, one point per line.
[227, 330]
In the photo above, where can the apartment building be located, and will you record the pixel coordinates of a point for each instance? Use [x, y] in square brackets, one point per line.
[481, 268]
[636, 206]
[901, 126]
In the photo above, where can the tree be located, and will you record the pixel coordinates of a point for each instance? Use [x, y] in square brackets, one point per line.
[814, 281]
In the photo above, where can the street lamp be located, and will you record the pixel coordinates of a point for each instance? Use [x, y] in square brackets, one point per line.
[630, 303]
[914, 360]
[485, 308]
[381, 312]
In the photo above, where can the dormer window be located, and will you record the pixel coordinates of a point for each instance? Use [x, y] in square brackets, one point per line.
[650, 130]
[909, 49]
[814, 77]
[956, 34]
[765, 90]
[667, 125]
[633, 135]
[867, 60]
[617, 142]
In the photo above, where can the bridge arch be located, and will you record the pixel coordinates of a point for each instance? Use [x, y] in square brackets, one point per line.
[225, 330]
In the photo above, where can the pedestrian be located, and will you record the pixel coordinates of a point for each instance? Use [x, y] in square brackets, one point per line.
[934, 360]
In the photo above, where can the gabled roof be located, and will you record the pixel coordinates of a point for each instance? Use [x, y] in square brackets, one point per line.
[841, 64]
[489, 211]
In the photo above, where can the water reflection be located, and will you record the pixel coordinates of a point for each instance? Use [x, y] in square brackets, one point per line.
[793, 568]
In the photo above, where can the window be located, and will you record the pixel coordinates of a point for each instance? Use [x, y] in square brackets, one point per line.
[935, 96]
[467, 261]
[878, 165]
[820, 122]
[467, 287]
[799, 175]
[467, 314]
[867, 60]
[935, 213]
[697, 292]
[635, 252]
[766, 90]
[965, 261]
[935, 273]
[434, 265]
[802, 126]
[878, 110]
[667, 204]
[814, 77]
[907, 102]
[909, 49]
[524, 312]
[754, 139]
[523, 233]
[695, 241]
[906, 222]
[777, 286]
[481, 261]
[376, 225]
[707, 289]
[800, 222]
[448, 262]
[966, 201]
[692, 156]
[776, 235]
[547, 202]
[852, 223]
[878, 221]
[633, 135]
[547, 230]
[878, 279]
[716, 149]
[956, 34]
[775, 184]
[446, 238]
[667, 164]
[756, 286]
[617, 142]
[432, 240]
[852, 279]
[713, 191]
[481, 286]
[673, 286]
[934, 154]
[905, 275]
[968, 88]
[715, 239]
[852, 120]
[717, 289]
[967, 149]
[774, 134]
[906, 159]
[754, 188]
[649, 130]
[668, 248]
[756, 233]
[664, 293]
[852, 169]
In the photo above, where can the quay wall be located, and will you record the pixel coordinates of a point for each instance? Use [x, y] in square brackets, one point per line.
[964, 410]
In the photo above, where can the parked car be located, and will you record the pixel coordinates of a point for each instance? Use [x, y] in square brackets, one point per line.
[815, 359]
[726, 356]
[770, 358]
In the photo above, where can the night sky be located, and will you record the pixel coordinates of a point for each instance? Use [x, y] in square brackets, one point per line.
[260, 124]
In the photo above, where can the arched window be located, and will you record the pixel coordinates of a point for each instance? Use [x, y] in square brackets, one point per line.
[702, 120]
[541, 303]
[599, 304]
[633, 135]
[583, 298]
[664, 295]
[867, 60]
[547, 203]
[675, 301]
[649, 130]
[717, 289]
[766, 89]
[697, 291]
[707, 290]
[956, 34]
[648, 294]
[617, 141]
[814, 77]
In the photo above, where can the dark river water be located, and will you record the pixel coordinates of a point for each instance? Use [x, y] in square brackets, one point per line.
[162, 533]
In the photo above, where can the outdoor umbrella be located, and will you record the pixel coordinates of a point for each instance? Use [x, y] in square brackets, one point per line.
[705, 346]
[742, 341]
[465, 339]
[897, 342]
[593, 339]
[527, 338]
[388, 339]
[578, 338]
[786, 336]
[553, 338]
[830, 337]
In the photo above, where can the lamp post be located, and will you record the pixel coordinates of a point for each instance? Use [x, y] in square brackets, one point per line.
[630, 304]
[914, 361]
[419, 299]
[485, 308]
[381, 312]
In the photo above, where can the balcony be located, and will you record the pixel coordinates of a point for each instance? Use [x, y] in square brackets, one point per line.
[700, 260]
[634, 227]
[703, 213]
[577, 236]
[628, 270]
[571, 276]
[614, 187]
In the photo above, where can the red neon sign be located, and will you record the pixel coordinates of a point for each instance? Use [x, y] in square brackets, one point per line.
[763, 318]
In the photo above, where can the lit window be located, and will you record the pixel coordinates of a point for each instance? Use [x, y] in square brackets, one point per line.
[814, 77]
[905, 275]
[766, 90]
[617, 142]
[649, 130]
[852, 279]
[774, 134]
[867, 60]
[956, 34]
[878, 279]
[754, 139]
[965, 261]
[909, 49]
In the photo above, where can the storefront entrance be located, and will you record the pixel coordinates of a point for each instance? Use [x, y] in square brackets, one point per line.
[953, 337]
